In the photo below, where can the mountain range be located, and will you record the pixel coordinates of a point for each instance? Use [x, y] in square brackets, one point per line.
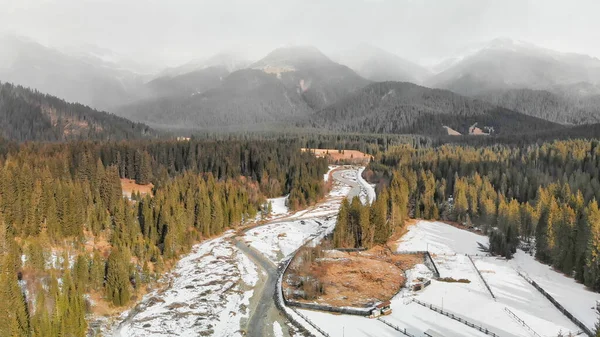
[288, 82]
[366, 89]
[401, 107]
[82, 79]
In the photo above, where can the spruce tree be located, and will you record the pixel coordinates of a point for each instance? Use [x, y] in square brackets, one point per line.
[117, 278]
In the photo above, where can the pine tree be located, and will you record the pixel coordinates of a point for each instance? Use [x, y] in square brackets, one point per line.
[592, 268]
[117, 278]
[13, 305]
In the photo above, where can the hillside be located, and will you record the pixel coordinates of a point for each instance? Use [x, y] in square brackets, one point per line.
[244, 97]
[547, 105]
[506, 64]
[399, 107]
[379, 65]
[27, 115]
[193, 82]
[90, 81]
[319, 80]
[287, 83]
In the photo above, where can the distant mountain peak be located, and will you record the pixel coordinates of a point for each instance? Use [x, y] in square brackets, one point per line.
[292, 57]
[377, 64]
[229, 60]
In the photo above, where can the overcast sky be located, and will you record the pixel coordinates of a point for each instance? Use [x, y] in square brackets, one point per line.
[174, 31]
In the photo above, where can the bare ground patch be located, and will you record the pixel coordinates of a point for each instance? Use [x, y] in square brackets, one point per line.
[357, 279]
[335, 155]
[129, 186]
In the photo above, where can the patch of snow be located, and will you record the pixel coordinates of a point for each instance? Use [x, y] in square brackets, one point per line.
[278, 240]
[278, 206]
[326, 175]
[440, 238]
[573, 296]
[277, 331]
[368, 189]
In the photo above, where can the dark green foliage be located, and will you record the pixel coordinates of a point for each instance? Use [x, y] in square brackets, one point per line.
[117, 277]
[544, 104]
[395, 107]
[67, 194]
[514, 193]
[26, 114]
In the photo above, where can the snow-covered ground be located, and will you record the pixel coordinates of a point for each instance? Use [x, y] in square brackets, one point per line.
[209, 293]
[277, 331]
[573, 296]
[472, 301]
[326, 175]
[279, 240]
[278, 206]
[367, 192]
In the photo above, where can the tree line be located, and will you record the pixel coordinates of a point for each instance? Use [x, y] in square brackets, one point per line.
[540, 197]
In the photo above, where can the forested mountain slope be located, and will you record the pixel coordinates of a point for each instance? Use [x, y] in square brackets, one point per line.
[547, 105]
[399, 107]
[244, 97]
[30, 115]
[318, 79]
[287, 83]
[193, 82]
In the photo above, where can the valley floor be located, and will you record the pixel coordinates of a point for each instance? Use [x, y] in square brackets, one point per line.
[225, 286]
[472, 301]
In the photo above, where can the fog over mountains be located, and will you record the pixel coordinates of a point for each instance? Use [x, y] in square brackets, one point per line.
[301, 83]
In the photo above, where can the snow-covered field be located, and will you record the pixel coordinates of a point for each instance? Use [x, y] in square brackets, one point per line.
[472, 301]
[278, 206]
[209, 293]
[279, 240]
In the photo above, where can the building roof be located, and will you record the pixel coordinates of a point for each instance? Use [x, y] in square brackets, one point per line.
[383, 304]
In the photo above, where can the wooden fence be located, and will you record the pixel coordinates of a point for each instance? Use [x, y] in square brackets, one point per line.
[481, 277]
[562, 309]
[520, 321]
[395, 327]
[428, 260]
[457, 318]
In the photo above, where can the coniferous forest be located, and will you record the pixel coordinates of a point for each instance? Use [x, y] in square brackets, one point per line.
[542, 198]
[68, 236]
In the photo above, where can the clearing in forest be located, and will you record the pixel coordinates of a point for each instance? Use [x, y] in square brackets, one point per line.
[346, 156]
[129, 186]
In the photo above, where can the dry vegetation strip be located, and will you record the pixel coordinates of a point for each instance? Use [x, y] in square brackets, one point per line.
[335, 155]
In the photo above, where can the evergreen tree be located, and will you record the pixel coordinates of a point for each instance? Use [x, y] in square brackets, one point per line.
[117, 278]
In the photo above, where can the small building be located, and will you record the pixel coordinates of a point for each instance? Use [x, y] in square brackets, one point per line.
[381, 309]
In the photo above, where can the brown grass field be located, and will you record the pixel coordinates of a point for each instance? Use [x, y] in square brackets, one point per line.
[334, 155]
[129, 186]
[357, 279]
